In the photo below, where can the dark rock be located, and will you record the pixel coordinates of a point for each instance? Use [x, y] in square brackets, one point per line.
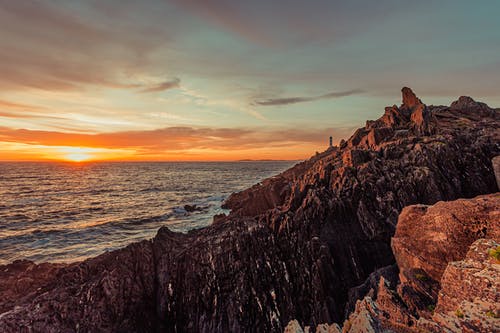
[219, 218]
[378, 135]
[355, 157]
[468, 296]
[371, 286]
[496, 167]
[466, 103]
[193, 208]
[22, 280]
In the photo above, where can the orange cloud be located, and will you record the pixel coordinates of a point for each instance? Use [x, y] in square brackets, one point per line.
[185, 143]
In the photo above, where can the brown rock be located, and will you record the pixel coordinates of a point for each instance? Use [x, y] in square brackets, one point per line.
[469, 300]
[377, 135]
[23, 280]
[429, 237]
[466, 103]
[394, 117]
[410, 100]
[355, 157]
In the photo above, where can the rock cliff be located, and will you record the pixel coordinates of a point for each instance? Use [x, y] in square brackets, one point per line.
[291, 248]
[449, 274]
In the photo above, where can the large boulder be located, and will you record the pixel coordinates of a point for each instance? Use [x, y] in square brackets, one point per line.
[427, 238]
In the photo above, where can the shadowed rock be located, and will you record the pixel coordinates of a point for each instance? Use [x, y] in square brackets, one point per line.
[466, 266]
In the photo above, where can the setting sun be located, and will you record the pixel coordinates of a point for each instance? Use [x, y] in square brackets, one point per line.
[77, 157]
[77, 154]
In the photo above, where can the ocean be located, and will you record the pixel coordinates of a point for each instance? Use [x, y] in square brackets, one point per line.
[63, 212]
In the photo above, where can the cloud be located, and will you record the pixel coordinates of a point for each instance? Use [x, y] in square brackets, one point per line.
[177, 138]
[18, 106]
[172, 84]
[65, 47]
[294, 100]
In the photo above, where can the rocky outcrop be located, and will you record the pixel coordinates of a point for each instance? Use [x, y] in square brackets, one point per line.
[21, 279]
[447, 253]
[469, 300]
[291, 248]
[429, 237]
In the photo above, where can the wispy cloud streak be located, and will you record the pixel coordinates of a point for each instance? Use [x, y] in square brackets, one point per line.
[172, 84]
[294, 100]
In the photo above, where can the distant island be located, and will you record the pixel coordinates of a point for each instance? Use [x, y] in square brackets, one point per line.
[264, 160]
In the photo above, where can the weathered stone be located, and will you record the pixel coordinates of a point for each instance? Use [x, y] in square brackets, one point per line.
[410, 100]
[429, 237]
[470, 294]
[496, 168]
[469, 298]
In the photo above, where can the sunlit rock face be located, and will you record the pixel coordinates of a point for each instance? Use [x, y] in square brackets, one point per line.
[291, 248]
[428, 238]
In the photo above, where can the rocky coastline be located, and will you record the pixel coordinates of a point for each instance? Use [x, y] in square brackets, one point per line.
[316, 245]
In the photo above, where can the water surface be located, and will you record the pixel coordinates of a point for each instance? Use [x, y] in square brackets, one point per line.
[68, 211]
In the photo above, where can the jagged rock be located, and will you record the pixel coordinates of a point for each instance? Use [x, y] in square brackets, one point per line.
[365, 318]
[410, 100]
[355, 157]
[429, 237]
[466, 103]
[219, 218]
[291, 247]
[393, 118]
[496, 168]
[21, 279]
[371, 286]
[114, 292]
[260, 197]
[325, 328]
[378, 135]
[293, 327]
[469, 300]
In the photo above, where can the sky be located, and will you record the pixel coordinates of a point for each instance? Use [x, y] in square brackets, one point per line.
[188, 80]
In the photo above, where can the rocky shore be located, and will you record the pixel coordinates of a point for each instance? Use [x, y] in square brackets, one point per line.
[314, 245]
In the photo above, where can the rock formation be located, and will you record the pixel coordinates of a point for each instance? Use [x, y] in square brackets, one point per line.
[428, 238]
[449, 281]
[291, 248]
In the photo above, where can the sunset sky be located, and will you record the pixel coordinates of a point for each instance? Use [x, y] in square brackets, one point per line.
[228, 80]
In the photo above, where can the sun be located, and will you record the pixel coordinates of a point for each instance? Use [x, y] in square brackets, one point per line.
[77, 154]
[77, 157]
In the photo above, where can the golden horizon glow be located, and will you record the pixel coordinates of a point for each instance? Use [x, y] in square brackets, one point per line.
[169, 144]
[77, 154]
[34, 153]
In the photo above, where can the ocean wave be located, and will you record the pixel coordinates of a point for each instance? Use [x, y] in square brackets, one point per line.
[49, 211]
